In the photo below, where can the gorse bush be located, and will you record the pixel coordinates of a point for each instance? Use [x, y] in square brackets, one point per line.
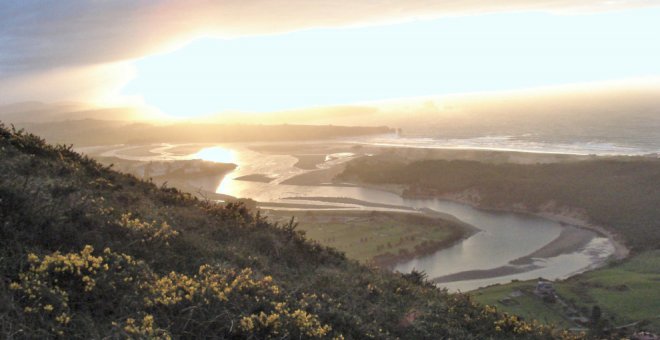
[56, 286]
[87, 252]
[147, 231]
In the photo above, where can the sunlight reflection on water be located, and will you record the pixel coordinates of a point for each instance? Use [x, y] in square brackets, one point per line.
[216, 154]
[504, 236]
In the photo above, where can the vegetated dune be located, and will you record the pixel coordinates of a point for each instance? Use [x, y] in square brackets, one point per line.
[381, 238]
[619, 193]
[88, 252]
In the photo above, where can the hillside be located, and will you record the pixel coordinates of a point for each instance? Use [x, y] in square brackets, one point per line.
[620, 194]
[87, 252]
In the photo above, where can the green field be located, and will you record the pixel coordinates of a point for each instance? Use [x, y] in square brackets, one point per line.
[626, 292]
[363, 235]
[527, 305]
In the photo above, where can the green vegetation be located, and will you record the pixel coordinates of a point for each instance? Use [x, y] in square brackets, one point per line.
[87, 252]
[518, 298]
[626, 293]
[375, 236]
[621, 194]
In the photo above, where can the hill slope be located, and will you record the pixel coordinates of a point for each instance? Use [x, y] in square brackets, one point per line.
[87, 252]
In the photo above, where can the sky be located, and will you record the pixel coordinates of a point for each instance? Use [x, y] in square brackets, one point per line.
[201, 57]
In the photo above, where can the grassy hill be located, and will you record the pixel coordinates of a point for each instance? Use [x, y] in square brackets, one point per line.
[87, 252]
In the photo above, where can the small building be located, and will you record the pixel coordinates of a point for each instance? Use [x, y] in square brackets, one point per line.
[645, 336]
[516, 293]
[544, 289]
[508, 301]
[580, 320]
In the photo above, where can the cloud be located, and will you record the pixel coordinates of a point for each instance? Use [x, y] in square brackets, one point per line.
[37, 35]
[79, 50]
[91, 84]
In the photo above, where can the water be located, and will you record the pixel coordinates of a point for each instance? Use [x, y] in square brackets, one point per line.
[524, 143]
[503, 237]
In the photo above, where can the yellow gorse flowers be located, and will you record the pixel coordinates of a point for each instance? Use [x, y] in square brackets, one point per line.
[149, 231]
[512, 323]
[209, 284]
[145, 329]
[54, 281]
[282, 318]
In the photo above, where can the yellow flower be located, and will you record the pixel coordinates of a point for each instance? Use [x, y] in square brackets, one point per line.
[247, 324]
[33, 258]
[63, 318]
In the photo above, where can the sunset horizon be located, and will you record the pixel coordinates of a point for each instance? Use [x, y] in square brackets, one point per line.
[378, 169]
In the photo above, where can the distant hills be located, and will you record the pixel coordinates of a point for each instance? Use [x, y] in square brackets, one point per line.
[38, 112]
[98, 132]
[75, 123]
[616, 114]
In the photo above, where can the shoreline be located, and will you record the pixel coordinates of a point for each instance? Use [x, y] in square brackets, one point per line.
[571, 237]
[353, 201]
[562, 244]
[458, 230]
[621, 251]
[389, 261]
[319, 176]
[461, 232]
[327, 176]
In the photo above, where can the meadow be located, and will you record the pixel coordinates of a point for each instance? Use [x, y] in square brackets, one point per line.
[368, 235]
[626, 292]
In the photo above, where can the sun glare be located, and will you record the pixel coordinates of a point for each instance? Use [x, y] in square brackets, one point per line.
[216, 154]
[322, 67]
